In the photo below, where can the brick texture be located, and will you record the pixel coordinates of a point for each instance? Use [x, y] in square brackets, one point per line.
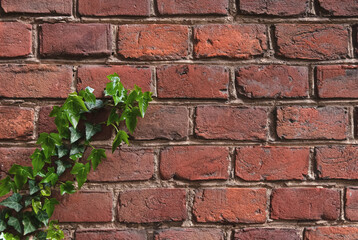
[15, 39]
[267, 233]
[345, 8]
[328, 233]
[57, 7]
[351, 204]
[15, 155]
[111, 234]
[190, 233]
[174, 7]
[16, 123]
[275, 8]
[114, 8]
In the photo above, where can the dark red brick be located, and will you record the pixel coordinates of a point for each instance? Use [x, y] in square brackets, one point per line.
[174, 7]
[235, 205]
[273, 81]
[111, 234]
[296, 122]
[15, 155]
[230, 41]
[77, 40]
[345, 8]
[337, 81]
[351, 204]
[312, 41]
[331, 233]
[16, 123]
[233, 123]
[153, 42]
[152, 205]
[189, 233]
[106, 8]
[267, 234]
[15, 39]
[35, 81]
[58, 7]
[84, 207]
[256, 163]
[95, 77]
[192, 81]
[274, 8]
[305, 204]
[45, 122]
[194, 163]
[163, 122]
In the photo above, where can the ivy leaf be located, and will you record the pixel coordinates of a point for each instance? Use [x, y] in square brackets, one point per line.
[73, 107]
[61, 167]
[88, 95]
[143, 102]
[38, 161]
[21, 174]
[43, 217]
[8, 236]
[121, 136]
[51, 177]
[40, 236]
[77, 149]
[130, 116]
[15, 223]
[81, 171]
[5, 186]
[131, 98]
[116, 89]
[76, 156]
[62, 151]
[96, 157]
[28, 225]
[113, 117]
[75, 135]
[91, 130]
[36, 205]
[33, 187]
[61, 121]
[13, 202]
[49, 206]
[45, 190]
[99, 104]
[3, 225]
[48, 143]
[67, 187]
[54, 232]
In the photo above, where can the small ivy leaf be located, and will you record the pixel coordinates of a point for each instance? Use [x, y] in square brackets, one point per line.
[88, 95]
[91, 130]
[143, 102]
[67, 187]
[54, 232]
[38, 161]
[81, 171]
[121, 136]
[113, 117]
[61, 168]
[116, 89]
[3, 225]
[40, 236]
[131, 118]
[43, 217]
[15, 223]
[61, 121]
[50, 177]
[28, 225]
[5, 186]
[48, 143]
[36, 205]
[46, 191]
[49, 206]
[131, 98]
[8, 236]
[77, 149]
[76, 156]
[96, 157]
[28, 200]
[99, 104]
[21, 175]
[33, 187]
[62, 151]
[75, 135]
[73, 107]
[13, 202]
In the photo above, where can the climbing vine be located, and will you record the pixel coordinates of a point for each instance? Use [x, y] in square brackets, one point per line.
[30, 205]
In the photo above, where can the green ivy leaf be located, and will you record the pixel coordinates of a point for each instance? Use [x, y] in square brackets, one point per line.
[8, 236]
[131, 98]
[34, 188]
[40, 236]
[96, 157]
[6, 185]
[75, 135]
[49, 206]
[62, 166]
[51, 177]
[15, 223]
[3, 225]
[48, 143]
[62, 151]
[21, 174]
[13, 202]
[99, 104]
[67, 187]
[36, 205]
[113, 117]
[116, 89]
[121, 136]
[45, 191]
[38, 161]
[28, 225]
[77, 149]
[73, 107]
[130, 116]
[91, 130]
[88, 95]
[81, 170]
[54, 232]
[43, 217]
[61, 121]
[76, 156]
[143, 102]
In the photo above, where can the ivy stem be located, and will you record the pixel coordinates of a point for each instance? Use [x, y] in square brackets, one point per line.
[115, 127]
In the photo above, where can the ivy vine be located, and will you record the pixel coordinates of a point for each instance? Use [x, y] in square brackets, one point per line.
[29, 208]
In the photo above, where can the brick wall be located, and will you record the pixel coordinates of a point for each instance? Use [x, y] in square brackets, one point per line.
[253, 131]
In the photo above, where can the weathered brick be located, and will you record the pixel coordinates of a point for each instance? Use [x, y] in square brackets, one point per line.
[84, 207]
[296, 122]
[77, 40]
[233, 123]
[95, 77]
[35, 81]
[345, 8]
[174, 7]
[256, 163]
[15, 155]
[15, 39]
[305, 204]
[230, 41]
[236, 205]
[331, 233]
[274, 8]
[351, 204]
[337, 81]
[106, 8]
[267, 234]
[337, 162]
[312, 41]
[57, 7]
[189, 233]
[194, 163]
[152, 205]
[192, 81]
[163, 122]
[153, 42]
[111, 234]
[125, 165]
[16, 123]
[45, 122]
[273, 81]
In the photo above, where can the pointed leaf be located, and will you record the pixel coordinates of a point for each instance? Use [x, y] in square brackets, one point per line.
[96, 157]
[28, 225]
[33, 187]
[75, 135]
[121, 136]
[13, 202]
[113, 117]
[91, 130]
[5, 186]
[38, 161]
[62, 151]
[67, 187]
[15, 223]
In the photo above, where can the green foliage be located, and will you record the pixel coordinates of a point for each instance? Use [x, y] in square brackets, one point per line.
[30, 206]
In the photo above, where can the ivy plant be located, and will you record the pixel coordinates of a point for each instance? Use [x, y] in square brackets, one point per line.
[30, 203]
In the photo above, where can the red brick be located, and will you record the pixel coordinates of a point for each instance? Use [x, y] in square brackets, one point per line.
[312, 42]
[58, 7]
[296, 122]
[274, 8]
[233, 123]
[84, 207]
[105, 8]
[256, 163]
[272, 81]
[305, 204]
[337, 81]
[95, 77]
[163, 122]
[35, 81]
[194, 163]
[267, 234]
[111, 234]
[45, 122]
[152, 205]
[351, 204]
[153, 42]
[346, 8]
[331, 233]
[190, 233]
[16, 155]
[77, 40]
[125, 165]
[235, 205]
[15, 39]
[16, 123]
[230, 41]
[337, 162]
[192, 81]
[174, 7]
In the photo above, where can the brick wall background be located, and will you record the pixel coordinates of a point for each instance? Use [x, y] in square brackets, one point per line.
[253, 131]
